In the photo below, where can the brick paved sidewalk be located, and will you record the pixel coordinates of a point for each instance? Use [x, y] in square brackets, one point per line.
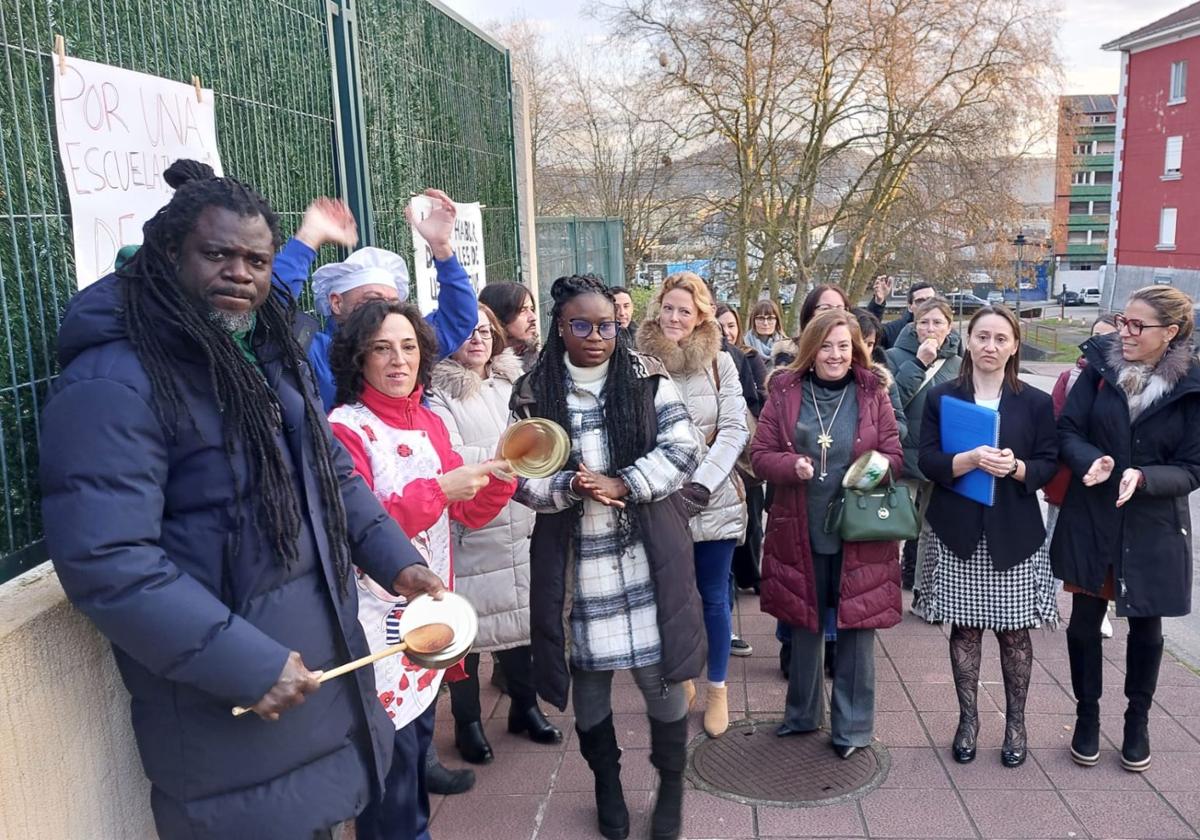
[533, 791]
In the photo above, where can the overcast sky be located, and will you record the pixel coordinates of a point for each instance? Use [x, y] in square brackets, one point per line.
[1086, 25]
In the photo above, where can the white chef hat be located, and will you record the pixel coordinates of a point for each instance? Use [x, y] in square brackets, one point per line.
[365, 267]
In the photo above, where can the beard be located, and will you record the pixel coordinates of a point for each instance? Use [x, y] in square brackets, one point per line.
[231, 322]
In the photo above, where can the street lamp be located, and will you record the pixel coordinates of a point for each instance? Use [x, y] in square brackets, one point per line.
[1019, 243]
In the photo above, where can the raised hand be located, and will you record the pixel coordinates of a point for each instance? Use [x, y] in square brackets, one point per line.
[883, 288]
[1099, 471]
[294, 684]
[438, 226]
[328, 221]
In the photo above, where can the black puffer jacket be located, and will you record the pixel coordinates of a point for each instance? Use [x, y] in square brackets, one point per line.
[1147, 542]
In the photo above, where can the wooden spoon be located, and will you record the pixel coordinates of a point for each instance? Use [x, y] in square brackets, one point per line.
[426, 639]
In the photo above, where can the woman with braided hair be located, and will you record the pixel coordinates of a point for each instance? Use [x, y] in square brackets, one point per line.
[200, 513]
[622, 596]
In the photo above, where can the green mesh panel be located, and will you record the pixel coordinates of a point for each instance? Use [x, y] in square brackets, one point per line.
[270, 66]
[437, 112]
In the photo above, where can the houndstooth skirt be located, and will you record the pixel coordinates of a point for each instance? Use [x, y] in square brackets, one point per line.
[971, 593]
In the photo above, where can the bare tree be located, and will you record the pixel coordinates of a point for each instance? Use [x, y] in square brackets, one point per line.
[844, 120]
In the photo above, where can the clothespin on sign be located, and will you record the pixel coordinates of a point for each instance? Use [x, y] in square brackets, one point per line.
[196, 85]
[60, 49]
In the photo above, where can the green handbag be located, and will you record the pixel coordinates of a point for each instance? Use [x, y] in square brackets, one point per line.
[884, 514]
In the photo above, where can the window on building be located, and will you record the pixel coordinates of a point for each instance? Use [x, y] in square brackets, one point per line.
[1103, 119]
[1105, 147]
[1083, 178]
[1101, 207]
[1166, 227]
[1082, 149]
[1102, 178]
[1077, 237]
[1178, 81]
[1078, 208]
[1173, 165]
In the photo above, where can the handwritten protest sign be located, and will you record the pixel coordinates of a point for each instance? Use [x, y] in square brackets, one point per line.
[117, 131]
[467, 242]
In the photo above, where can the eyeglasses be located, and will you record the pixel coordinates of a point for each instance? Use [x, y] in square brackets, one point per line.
[825, 307]
[766, 319]
[482, 333]
[583, 329]
[1135, 325]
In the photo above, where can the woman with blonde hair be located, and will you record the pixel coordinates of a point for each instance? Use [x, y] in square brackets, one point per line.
[825, 410]
[683, 332]
[1130, 433]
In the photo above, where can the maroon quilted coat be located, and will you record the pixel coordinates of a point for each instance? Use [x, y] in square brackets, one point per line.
[870, 589]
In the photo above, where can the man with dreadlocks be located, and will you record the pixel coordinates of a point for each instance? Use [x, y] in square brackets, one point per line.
[633, 603]
[198, 510]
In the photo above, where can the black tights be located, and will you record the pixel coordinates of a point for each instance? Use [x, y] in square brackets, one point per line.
[1016, 663]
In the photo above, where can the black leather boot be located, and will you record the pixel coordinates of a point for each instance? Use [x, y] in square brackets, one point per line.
[532, 721]
[599, 748]
[668, 754]
[1087, 682]
[1142, 660]
[472, 743]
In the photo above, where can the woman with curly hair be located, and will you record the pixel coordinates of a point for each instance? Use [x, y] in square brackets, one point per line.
[382, 359]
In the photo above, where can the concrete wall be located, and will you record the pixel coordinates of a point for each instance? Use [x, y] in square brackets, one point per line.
[68, 764]
[1076, 281]
[1126, 279]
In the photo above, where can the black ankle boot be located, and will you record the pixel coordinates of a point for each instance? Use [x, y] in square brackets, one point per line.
[668, 753]
[1087, 682]
[532, 721]
[443, 781]
[599, 748]
[472, 743]
[1142, 660]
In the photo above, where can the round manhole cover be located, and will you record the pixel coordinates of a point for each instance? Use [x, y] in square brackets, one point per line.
[750, 763]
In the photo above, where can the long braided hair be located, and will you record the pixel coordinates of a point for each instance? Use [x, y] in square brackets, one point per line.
[157, 310]
[623, 405]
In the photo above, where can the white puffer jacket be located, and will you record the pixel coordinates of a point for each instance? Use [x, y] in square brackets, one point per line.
[491, 564]
[722, 414]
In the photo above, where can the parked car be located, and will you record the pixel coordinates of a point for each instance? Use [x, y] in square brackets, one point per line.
[1091, 297]
[995, 297]
[965, 301]
[1069, 297]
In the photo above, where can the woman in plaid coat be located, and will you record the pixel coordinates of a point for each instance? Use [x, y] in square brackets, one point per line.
[611, 578]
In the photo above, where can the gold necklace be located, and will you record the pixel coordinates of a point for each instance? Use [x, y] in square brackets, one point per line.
[825, 439]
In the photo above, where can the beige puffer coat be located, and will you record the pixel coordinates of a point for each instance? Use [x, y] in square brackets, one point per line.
[491, 564]
[690, 364]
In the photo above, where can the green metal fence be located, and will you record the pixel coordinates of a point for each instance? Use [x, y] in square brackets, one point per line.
[436, 113]
[579, 245]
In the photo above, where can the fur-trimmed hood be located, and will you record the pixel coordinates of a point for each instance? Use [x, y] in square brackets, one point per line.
[1144, 385]
[461, 383]
[783, 347]
[695, 353]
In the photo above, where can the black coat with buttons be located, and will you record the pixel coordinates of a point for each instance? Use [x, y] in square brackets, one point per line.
[1147, 543]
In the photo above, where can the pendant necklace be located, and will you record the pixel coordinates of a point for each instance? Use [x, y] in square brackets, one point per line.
[825, 439]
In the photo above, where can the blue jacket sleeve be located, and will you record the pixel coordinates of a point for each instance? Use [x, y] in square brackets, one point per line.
[458, 309]
[104, 473]
[292, 265]
[378, 545]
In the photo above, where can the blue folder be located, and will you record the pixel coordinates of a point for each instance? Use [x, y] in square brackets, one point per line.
[965, 426]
